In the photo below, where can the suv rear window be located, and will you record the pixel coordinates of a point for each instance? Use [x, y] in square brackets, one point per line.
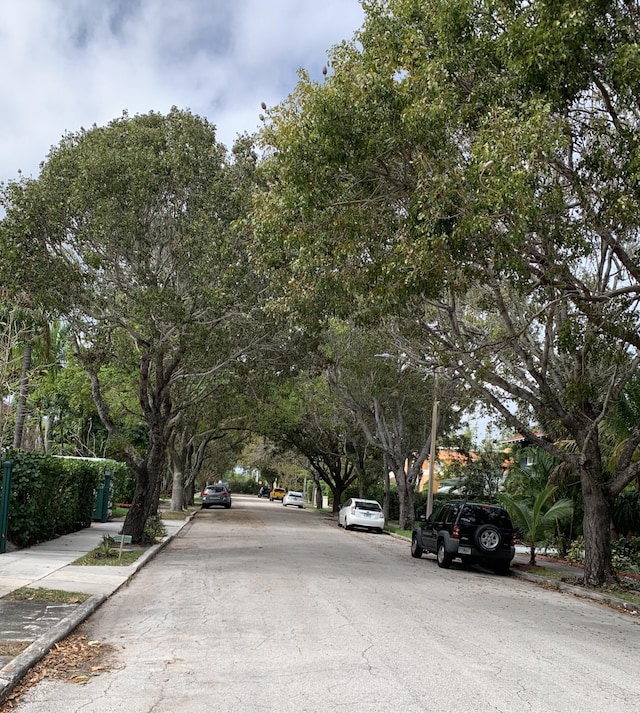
[480, 515]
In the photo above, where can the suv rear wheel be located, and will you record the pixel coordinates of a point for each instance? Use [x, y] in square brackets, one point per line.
[444, 558]
[416, 550]
[502, 568]
[488, 538]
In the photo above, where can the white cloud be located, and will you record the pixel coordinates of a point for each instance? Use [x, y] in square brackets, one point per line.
[73, 63]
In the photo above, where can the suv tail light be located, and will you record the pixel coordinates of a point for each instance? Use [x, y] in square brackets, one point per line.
[456, 532]
[513, 538]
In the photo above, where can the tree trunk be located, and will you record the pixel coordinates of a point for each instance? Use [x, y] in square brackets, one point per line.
[189, 493]
[140, 509]
[598, 569]
[177, 453]
[177, 490]
[318, 489]
[21, 407]
[147, 493]
[386, 501]
[405, 482]
[405, 496]
[46, 436]
[532, 555]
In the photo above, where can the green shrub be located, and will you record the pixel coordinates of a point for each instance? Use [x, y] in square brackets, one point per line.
[123, 480]
[106, 548]
[575, 551]
[154, 527]
[625, 554]
[50, 496]
[242, 485]
[32, 517]
[626, 513]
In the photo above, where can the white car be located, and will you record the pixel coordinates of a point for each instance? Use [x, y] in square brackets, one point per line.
[357, 512]
[293, 497]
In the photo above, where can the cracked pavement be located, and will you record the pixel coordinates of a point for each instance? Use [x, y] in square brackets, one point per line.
[265, 608]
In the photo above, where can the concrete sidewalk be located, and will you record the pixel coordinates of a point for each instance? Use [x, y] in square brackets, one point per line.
[39, 625]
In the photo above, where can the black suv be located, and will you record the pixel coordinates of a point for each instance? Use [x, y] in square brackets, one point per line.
[472, 532]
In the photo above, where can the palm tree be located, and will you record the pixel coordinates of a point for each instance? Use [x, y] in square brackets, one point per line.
[535, 521]
[42, 342]
[524, 482]
[615, 431]
[621, 421]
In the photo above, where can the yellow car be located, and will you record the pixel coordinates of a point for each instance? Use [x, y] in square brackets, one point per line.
[277, 494]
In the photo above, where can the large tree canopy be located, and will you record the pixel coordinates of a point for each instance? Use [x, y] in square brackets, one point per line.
[391, 402]
[474, 166]
[134, 226]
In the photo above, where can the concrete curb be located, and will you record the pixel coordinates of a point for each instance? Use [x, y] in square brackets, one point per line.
[17, 668]
[13, 672]
[582, 592]
[561, 586]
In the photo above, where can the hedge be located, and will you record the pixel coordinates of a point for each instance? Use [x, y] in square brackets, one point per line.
[52, 496]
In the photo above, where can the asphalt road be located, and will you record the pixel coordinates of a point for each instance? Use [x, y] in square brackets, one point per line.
[266, 608]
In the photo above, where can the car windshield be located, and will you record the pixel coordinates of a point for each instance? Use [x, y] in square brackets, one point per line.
[484, 515]
[218, 489]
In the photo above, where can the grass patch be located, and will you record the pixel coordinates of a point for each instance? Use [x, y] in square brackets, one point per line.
[391, 527]
[100, 558]
[539, 571]
[628, 595]
[174, 514]
[117, 511]
[41, 594]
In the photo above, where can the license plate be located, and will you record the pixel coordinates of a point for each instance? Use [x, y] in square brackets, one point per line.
[464, 550]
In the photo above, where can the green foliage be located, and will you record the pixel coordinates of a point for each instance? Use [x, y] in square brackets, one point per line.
[479, 476]
[626, 513]
[246, 486]
[625, 554]
[106, 548]
[575, 551]
[530, 472]
[524, 482]
[124, 482]
[299, 413]
[42, 594]
[474, 167]
[536, 520]
[154, 527]
[139, 227]
[49, 497]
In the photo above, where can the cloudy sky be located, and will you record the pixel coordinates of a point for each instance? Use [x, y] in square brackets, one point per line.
[72, 63]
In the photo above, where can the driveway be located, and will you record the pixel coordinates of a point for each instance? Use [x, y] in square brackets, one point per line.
[266, 608]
